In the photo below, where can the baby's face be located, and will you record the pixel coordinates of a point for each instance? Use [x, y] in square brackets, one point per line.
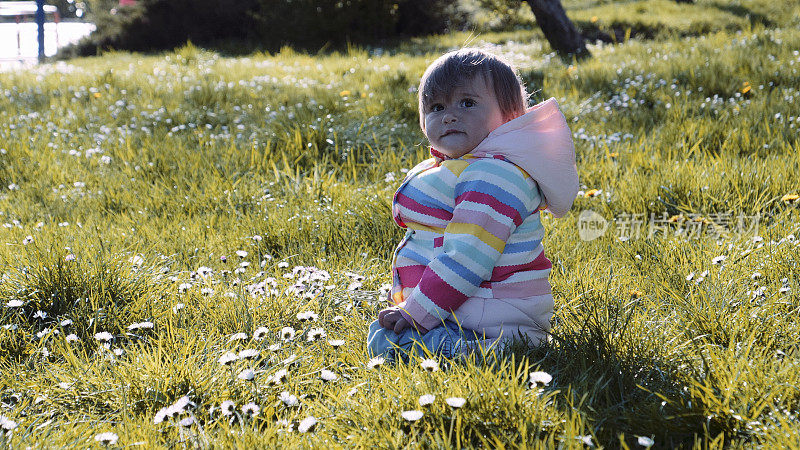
[456, 125]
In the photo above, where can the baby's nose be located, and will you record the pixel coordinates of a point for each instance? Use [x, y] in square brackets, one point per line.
[449, 118]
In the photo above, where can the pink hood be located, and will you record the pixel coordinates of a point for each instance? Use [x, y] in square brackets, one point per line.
[540, 142]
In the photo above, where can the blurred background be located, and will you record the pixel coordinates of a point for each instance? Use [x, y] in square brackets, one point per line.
[82, 28]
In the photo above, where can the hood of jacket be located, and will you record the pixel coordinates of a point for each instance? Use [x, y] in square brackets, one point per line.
[539, 142]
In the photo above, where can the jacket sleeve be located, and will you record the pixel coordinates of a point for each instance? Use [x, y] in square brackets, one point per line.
[492, 198]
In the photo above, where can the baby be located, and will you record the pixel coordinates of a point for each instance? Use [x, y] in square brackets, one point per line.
[471, 270]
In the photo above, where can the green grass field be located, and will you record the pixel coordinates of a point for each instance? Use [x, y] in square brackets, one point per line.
[162, 212]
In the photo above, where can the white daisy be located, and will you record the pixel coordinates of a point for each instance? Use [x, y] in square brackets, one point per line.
[336, 343]
[455, 402]
[6, 423]
[315, 333]
[327, 375]
[227, 407]
[412, 415]
[250, 409]
[307, 316]
[429, 364]
[287, 333]
[375, 362]
[238, 337]
[260, 333]
[107, 438]
[307, 424]
[278, 377]
[72, 338]
[104, 336]
[248, 353]
[540, 377]
[14, 303]
[247, 374]
[228, 358]
[718, 259]
[241, 253]
[288, 399]
[427, 399]
[645, 441]
[186, 421]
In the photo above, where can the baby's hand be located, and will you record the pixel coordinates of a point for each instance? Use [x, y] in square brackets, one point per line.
[391, 319]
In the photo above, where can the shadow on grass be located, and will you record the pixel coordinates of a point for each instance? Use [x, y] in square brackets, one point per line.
[623, 384]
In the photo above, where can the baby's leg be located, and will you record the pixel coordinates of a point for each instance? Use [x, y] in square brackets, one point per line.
[446, 340]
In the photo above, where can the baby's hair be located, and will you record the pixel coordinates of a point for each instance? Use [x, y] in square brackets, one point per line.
[453, 69]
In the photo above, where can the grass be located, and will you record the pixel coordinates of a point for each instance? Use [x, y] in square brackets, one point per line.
[127, 178]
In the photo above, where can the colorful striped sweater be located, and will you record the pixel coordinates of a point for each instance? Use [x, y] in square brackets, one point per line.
[474, 227]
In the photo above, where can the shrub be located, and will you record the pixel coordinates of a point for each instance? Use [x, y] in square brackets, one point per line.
[268, 24]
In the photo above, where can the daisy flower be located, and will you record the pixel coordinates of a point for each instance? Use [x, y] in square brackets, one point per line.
[107, 438]
[336, 343]
[307, 424]
[278, 377]
[228, 358]
[260, 333]
[248, 353]
[412, 415]
[429, 364]
[6, 423]
[455, 402]
[327, 375]
[427, 399]
[375, 362]
[103, 336]
[288, 399]
[227, 407]
[310, 316]
[247, 375]
[287, 333]
[314, 334]
[238, 337]
[186, 421]
[645, 441]
[539, 377]
[250, 409]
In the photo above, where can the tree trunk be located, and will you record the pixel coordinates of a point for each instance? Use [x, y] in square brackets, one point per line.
[557, 28]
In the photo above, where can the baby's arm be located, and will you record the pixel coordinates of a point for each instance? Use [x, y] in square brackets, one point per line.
[492, 198]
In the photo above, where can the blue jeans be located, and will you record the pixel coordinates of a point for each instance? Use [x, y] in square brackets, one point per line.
[448, 340]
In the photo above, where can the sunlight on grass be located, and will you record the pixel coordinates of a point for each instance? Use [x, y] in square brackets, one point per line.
[194, 246]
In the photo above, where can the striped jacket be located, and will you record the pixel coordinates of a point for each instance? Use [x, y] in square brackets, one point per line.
[473, 223]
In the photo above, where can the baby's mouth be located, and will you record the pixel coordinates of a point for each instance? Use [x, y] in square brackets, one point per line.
[449, 132]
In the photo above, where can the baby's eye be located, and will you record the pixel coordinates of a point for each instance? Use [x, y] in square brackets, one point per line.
[467, 103]
[437, 107]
